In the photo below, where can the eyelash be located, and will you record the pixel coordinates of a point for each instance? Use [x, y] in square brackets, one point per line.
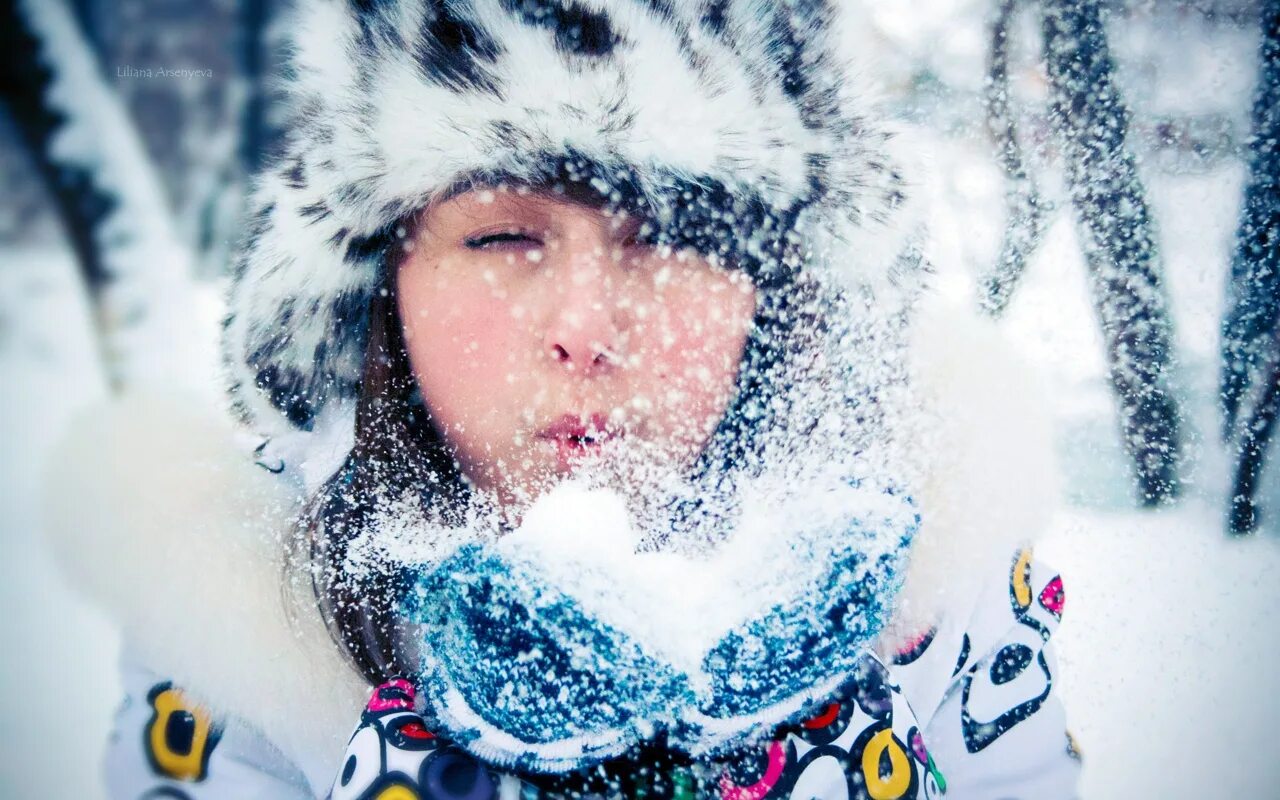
[483, 241]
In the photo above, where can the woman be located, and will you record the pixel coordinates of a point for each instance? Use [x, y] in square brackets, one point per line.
[583, 338]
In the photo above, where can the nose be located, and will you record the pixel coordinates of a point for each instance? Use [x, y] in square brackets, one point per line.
[591, 360]
[583, 333]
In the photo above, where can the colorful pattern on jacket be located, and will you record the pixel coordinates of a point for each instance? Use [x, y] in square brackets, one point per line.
[962, 710]
[864, 743]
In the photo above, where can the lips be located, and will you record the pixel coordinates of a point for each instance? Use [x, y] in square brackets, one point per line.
[575, 437]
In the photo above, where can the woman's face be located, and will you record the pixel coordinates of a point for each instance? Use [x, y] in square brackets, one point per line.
[544, 336]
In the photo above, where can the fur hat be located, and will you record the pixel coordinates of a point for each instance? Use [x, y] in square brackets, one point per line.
[741, 108]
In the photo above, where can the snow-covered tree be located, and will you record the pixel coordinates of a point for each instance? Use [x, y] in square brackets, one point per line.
[1027, 214]
[110, 197]
[1251, 330]
[1117, 234]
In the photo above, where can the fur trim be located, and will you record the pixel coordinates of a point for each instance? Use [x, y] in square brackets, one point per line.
[158, 516]
[397, 102]
[985, 450]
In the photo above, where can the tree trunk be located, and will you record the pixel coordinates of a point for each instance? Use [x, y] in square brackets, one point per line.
[1025, 224]
[81, 206]
[110, 198]
[1251, 327]
[1115, 226]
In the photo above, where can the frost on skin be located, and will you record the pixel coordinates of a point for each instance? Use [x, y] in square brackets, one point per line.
[551, 338]
[544, 333]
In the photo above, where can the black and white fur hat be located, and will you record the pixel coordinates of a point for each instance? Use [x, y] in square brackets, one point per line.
[397, 102]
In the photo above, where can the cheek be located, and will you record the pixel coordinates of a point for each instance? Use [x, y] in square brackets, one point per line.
[462, 340]
[691, 349]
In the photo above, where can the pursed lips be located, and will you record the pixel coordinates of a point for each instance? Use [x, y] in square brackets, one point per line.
[575, 436]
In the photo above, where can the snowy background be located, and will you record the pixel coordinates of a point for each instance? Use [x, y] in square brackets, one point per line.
[1168, 649]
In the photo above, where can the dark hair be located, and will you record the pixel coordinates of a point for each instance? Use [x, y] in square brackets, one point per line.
[397, 451]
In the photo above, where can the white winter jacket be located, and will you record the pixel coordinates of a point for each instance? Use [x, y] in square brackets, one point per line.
[738, 128]
[234, 692]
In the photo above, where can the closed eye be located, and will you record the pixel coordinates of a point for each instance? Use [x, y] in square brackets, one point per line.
[488, 240]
